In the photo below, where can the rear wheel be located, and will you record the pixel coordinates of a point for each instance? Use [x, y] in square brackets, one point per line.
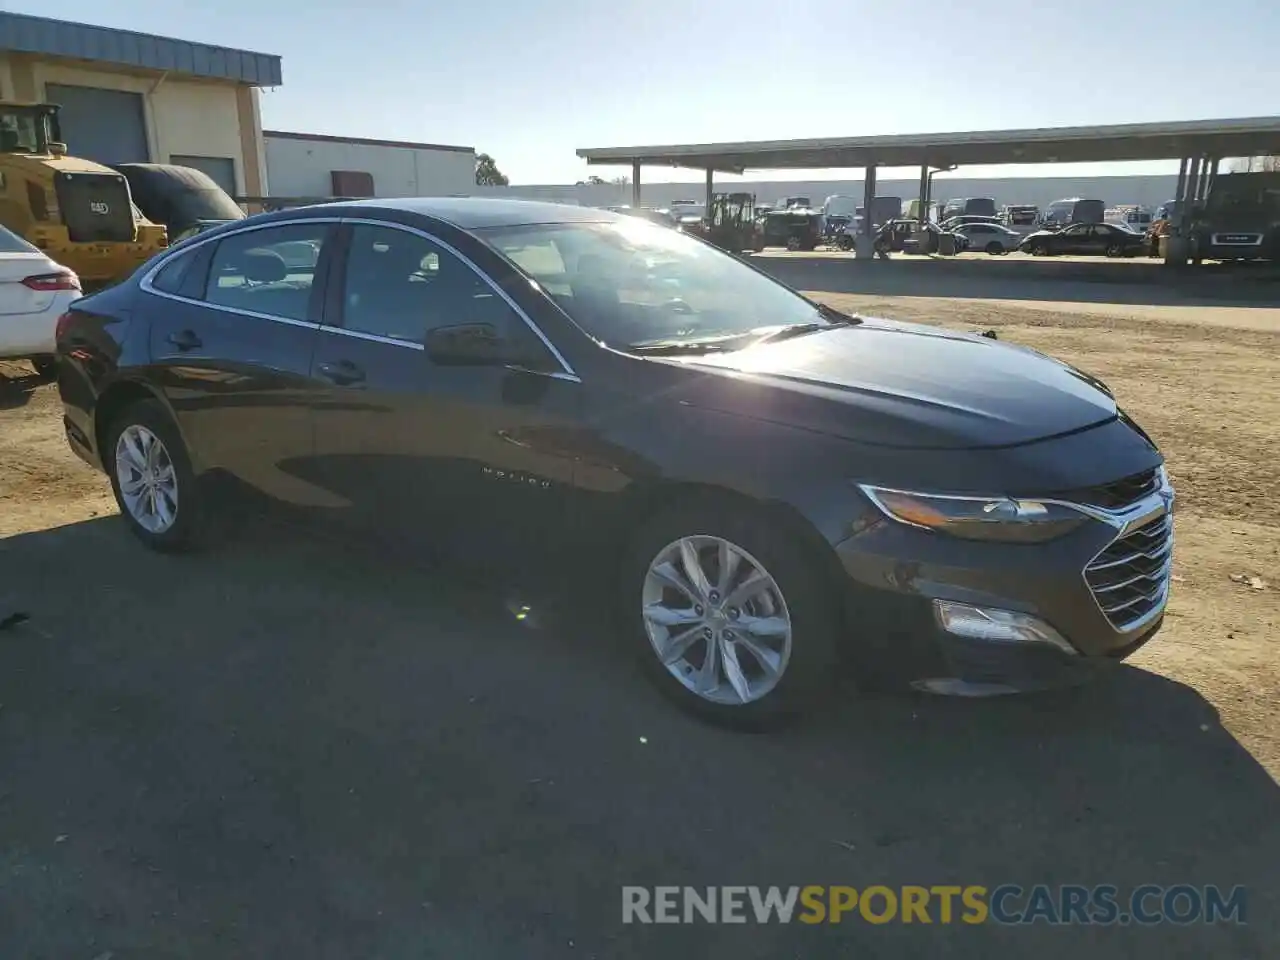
[1115, 250]
[46, 367]
[151, 477]
[793, 243]
[995, 248]
[729, 616]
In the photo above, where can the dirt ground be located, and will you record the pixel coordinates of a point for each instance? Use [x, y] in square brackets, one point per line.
[1207, 389]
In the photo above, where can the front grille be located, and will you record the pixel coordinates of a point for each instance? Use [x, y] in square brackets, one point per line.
[1118, 493]
[1130, 578]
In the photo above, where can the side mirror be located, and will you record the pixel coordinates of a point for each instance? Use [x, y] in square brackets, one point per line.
[57, 148]
[478, 345]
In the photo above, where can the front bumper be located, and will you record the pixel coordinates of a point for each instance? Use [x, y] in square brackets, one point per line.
[1103, 589]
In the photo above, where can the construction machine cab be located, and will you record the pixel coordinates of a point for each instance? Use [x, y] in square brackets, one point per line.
[30, 128]
[731, 223]
[78, 212]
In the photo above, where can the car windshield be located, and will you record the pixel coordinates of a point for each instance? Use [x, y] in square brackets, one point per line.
[630, 283]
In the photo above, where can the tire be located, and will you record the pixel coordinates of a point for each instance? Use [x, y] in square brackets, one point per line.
[46, 367]
[995, 248]
[793, 243]
[1115, 250]
[807, 667]
[1039, 250]
[149, 417]
[163, 193]
[844, 242]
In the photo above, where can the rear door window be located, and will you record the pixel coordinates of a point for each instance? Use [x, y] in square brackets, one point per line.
[171, 275]
[269, 271]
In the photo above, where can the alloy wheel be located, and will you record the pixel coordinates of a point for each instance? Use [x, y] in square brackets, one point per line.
[147, 479]
[716, 619]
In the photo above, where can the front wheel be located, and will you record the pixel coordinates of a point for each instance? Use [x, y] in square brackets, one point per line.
[733, 620]
[1039, 250]
[793, 243]
[995, 248]
[1115, 250]
[151, 477]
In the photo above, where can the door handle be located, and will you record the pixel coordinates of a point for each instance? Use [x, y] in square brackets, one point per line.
[341, 372]
[184, 340]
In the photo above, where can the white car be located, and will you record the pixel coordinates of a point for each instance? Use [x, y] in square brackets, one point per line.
[991, 237]
[34, 292]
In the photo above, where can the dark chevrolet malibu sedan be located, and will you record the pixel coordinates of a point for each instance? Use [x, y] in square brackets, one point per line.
[773, 486]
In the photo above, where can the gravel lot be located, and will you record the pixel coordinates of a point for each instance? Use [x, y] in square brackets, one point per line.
[287, 747]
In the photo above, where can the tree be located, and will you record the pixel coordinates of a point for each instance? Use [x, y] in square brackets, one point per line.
[487, 172]
[593, 181]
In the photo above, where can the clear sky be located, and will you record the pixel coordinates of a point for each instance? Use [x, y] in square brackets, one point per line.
[528, 81]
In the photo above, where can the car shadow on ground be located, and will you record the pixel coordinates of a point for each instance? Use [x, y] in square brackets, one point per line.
[1123, 282]
[295, 746]
[17, 385]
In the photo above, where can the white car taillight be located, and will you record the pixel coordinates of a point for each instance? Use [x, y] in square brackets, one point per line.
[48, 282]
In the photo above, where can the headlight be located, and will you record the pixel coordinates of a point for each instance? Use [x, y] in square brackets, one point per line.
[1002, 519]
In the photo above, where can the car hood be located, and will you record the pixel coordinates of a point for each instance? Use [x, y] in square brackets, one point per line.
[1040, 233]
[904, 385]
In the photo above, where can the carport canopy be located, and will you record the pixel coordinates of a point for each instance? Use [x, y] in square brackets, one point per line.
[1244, 137]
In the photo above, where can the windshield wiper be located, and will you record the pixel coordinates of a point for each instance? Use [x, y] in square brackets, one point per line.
[736, 341]
[794, 330]
[658, 348]
[833, 315]
[831, 319]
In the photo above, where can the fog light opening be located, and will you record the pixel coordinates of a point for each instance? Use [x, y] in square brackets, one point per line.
[997, 626]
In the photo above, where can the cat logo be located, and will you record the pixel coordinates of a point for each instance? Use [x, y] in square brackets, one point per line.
[100, 207]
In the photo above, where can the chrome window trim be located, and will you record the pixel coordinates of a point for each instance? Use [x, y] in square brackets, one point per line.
[567, 372]
[145, 284]
[373, 337]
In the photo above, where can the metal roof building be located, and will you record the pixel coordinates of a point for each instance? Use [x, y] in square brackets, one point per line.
[1130, 141]
[1199, 144]
[130, 97]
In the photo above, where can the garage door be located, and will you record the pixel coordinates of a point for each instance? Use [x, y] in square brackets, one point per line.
[221, 170]
[103, 125]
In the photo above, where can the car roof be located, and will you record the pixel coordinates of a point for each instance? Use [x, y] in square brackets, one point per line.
[473, 212]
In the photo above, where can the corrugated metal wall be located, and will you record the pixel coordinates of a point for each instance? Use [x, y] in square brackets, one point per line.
[108, 126]
[304, 168]
[83, 41]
